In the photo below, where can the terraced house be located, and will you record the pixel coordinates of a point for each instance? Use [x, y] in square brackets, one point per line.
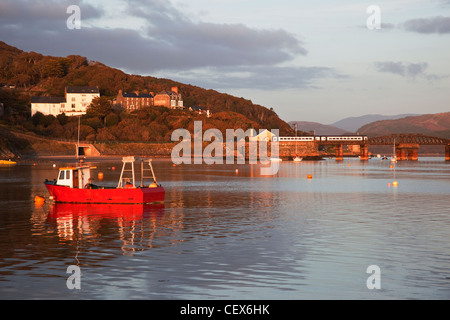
[75, 102]
[169, 99]
[134, 100]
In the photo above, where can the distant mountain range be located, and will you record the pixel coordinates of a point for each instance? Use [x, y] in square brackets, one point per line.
[376, 125]
[352, 124]
[316, 128]
[429, 124]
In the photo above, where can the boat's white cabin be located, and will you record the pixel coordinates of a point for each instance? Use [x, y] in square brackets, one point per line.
[72, 177]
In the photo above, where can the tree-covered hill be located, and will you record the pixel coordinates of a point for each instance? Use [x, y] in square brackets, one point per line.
[33, 74]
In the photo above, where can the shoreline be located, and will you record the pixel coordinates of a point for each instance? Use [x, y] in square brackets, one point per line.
[118, 158]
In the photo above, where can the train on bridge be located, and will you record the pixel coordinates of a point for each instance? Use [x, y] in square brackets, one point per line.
[343, 138]
[405, 146]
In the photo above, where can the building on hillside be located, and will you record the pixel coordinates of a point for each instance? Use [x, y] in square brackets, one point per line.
[133, 100]
[47, 105]
[75, 102]
[200, 110]
[264, 135]
[169, 99]
[79, 98]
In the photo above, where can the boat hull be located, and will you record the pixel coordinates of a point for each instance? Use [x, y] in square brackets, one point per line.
[64, 194]
[7, 163]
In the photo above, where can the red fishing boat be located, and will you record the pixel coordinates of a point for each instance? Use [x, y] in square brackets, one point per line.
[74, 185]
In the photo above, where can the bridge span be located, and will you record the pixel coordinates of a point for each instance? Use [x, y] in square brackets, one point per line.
[406, 145]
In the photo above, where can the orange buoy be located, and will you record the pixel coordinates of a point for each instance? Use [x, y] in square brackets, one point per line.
[309, 176]
[39, 200]
[395, 184]
[100, 175]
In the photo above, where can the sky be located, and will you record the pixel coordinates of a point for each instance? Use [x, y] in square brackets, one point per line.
[319, 61]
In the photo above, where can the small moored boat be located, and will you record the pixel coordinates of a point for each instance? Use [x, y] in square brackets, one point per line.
[74, 185]
[7, 163]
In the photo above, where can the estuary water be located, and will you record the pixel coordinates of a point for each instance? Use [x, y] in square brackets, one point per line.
[226, 232]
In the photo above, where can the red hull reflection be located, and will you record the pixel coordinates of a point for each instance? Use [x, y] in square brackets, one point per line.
[108, 211]
[85, 222]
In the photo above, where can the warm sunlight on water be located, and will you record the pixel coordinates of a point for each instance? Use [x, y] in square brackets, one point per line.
[228, 235]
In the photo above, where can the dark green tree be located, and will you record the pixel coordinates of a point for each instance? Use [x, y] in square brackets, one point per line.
[100, 107]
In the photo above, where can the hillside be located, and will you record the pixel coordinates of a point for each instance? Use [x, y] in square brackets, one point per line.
[352, 124]
[317, 128]
[32, 73]
[428, 124]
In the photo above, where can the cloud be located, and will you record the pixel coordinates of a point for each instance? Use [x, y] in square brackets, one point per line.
[168, 39]
[439, 25]
[407, 70]
[213, 44]
[383, 26]
[168, 42]
[402, 69]
[25, 12]
[260, 77]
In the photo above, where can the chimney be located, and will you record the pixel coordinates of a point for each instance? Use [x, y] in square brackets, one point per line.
[175, 89]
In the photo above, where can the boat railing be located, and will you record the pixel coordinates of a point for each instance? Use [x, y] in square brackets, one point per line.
[128, 177]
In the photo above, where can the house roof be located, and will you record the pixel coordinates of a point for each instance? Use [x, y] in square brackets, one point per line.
[197, 108]
[48, 100]
[134, 95]
[85, 89]
[168, 92]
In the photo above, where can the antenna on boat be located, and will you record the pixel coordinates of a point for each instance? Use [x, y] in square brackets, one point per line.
[78, 141]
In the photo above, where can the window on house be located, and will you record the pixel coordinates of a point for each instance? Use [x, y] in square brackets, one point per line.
[73, 105]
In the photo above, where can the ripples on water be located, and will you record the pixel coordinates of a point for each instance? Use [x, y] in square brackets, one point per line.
[228, 235]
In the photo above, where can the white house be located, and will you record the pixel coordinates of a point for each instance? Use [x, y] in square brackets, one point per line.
[47, 105]
[265, 135]
[79, 98]
[75, 102]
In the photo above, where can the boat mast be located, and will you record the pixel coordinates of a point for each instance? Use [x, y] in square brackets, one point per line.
[78, 141]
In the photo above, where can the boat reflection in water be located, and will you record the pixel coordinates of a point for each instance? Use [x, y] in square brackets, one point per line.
[86, 222]
[106, 211]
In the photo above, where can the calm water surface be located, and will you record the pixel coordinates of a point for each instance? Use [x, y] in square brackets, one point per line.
[223, 234]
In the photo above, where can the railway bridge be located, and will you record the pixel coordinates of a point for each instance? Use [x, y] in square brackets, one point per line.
[406, 145]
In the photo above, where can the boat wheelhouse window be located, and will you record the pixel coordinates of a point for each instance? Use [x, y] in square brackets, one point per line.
[68, 174]
[61, 175]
